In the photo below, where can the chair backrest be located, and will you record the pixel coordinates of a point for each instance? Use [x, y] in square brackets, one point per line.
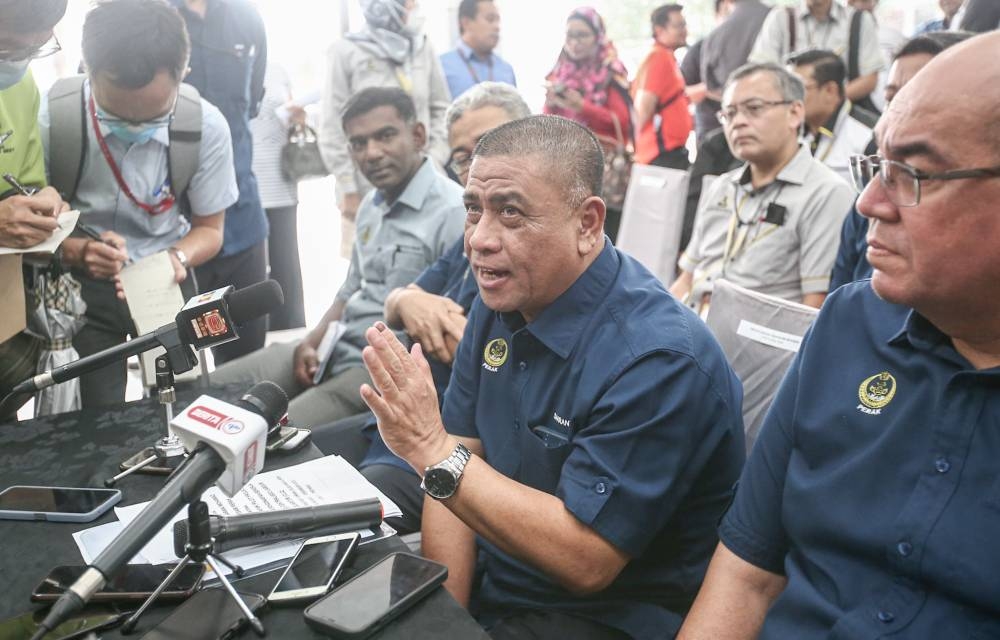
[760, 334]
[652, 218]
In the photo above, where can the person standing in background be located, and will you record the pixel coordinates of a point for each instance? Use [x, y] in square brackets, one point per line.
[662, 117]
[949, 8]
[279, 195]
[472, 60]
[589, 85]
[697, 91]
[228, 59]
[390, 51]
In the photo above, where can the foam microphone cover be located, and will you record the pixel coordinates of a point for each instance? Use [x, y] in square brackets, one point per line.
[267, 400]
[257, 300]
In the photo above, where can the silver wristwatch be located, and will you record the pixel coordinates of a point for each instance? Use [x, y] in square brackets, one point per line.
[181, 257]
[441, 480]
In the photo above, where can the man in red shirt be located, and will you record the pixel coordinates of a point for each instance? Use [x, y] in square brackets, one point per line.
[661, 106]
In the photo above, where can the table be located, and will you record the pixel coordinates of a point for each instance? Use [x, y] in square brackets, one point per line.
[84, 448]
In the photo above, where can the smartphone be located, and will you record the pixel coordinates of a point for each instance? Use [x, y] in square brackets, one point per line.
[316, 566]
[366, 603]
[210, 614]
[56, 504]
[135, 583]
[297, 441]
[23, 627]
[280, 436]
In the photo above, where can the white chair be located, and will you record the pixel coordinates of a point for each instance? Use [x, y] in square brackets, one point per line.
[760, 334]
[652, 217]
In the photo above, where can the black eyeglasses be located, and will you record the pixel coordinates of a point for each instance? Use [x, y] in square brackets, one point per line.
[901, 182]
[32, 53]
[459, 161]
[750, 108]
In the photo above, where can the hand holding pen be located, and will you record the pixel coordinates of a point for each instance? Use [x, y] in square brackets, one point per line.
[30, 216]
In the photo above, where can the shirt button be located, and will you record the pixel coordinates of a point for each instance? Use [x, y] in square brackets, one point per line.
[942, 465]
[601, 488]
[885, 616]
[904, 548]
[522, 365]
[517, 425]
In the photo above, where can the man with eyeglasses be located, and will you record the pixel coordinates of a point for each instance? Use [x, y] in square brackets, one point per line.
[136, 54]
[869, 506]
[26, 33]
[771, 225]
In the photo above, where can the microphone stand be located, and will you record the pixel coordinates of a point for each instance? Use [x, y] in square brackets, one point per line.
[200, 549]
[167, 452]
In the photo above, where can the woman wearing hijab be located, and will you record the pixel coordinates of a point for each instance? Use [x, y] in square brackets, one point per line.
[390, 51]
[589, 84]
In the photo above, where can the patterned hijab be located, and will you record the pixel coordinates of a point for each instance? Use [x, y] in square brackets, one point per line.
[590, 77]
[384, 33]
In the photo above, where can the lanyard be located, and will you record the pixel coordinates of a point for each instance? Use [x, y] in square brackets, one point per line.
[472, 72]
[739, 229]
[152, 209]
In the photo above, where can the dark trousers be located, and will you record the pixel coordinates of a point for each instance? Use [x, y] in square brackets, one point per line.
[240, 270]
[543, 625]
[346, 438]
[285, 268]
[673, 159]
[108, 324]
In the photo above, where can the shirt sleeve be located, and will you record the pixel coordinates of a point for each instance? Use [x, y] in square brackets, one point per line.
[259, 63]
[435, 278]
[32, 171]
[332, 141]
[691, 255]
[635, 462]
[353, 281]
[661, 79]
[869, 53]
[819, 234]
[770, 43]
[752, 527]
[213, 186]
[691, 67]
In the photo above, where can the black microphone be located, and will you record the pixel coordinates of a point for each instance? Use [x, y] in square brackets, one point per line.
[231, 532]
[197, 473]
[206, 320]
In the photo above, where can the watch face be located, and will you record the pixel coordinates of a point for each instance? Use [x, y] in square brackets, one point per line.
[440, 483]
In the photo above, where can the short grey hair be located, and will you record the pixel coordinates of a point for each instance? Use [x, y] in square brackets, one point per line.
[564, 146]
[788, 84]
[488, 94]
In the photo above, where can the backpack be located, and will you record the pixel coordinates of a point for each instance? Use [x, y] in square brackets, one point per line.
[853, 50]
[68, 137]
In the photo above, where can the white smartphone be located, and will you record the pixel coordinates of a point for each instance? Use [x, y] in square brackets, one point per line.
[315, 567]
[297, 441]
[57, 504]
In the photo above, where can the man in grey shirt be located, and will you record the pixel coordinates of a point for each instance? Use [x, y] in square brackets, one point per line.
[414, 214]
[773, 224]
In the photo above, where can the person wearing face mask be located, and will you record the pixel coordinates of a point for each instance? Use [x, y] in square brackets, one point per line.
[135, 53]
[391, 50]
[25, 34]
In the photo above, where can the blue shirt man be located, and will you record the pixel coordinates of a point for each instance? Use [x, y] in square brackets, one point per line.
[228, 60]
[593, 425]
[851, 263]
[472, 60]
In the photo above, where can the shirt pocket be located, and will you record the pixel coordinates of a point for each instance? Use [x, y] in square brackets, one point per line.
[544, 450]
[404, 264]
[230, 68]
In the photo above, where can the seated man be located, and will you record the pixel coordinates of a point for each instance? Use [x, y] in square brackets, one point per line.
[432, 310]
[404, 225]
[835, 128]
[590, 492]
[868, 508]
[136, 53]
[851, 263]
[771, 225]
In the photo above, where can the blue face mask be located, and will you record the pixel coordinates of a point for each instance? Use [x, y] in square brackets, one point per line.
[12, 72]
[139, 133]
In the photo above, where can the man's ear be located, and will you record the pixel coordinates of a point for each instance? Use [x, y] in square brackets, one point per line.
[420, 134]
[592, 214]
[798, 113]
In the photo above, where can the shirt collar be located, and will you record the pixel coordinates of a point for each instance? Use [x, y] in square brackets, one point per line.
[838, 12]
[561, 324]
[794, 172]
[920, 334]
[468, 53]
[416, 190]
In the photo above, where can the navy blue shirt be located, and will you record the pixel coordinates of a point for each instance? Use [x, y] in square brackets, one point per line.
[874, 485]
[852, 255]
[618, 401]
[451, 277]
[228, 58]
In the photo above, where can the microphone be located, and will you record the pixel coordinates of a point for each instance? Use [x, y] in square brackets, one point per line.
[231, 532]
[227, 447]
[205, 320]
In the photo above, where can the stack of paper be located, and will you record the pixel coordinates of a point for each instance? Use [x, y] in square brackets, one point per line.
[329, 480]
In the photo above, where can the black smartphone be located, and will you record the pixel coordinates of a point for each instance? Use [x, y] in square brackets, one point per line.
[366, 603]
[210, 614]
[135, 583]
[23, 627]
[315, 568]
[56, 504]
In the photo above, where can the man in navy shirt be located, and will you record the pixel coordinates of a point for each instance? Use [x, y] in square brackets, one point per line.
[593, 425]
[870, 506]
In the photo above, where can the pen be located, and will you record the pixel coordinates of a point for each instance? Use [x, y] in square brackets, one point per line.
[24, 191]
